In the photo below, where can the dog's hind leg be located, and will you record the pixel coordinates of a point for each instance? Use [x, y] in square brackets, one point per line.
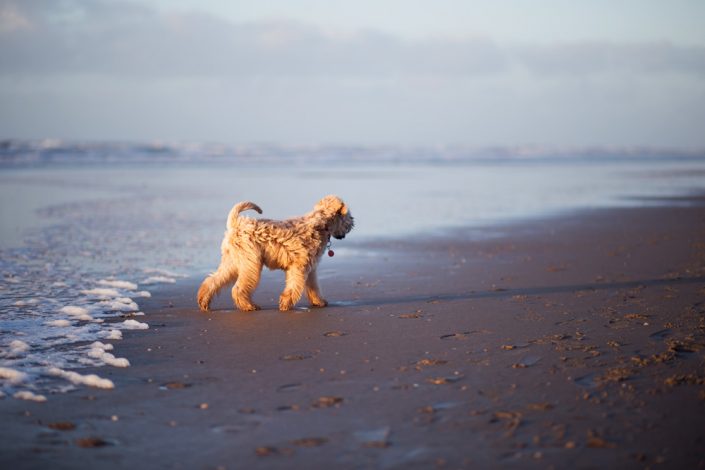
[249, 275]
[313, 291]
[210, 286]
[295, 283]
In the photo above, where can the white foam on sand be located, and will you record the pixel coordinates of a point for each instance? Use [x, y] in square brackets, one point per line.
[120, 304]
[74, 310]
[99, 351]
[134, 325]
[103, 346]
[101, 292]
[30, 396]
[50, 345]
[78, 313]
[75, 378]
[44, 338]
[159, 280]
[18, 347]
[111, 360]
[162, 272]
[12, 376]
[127, 285]
[111, 334]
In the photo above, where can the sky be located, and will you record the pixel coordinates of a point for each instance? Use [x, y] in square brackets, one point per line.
[384, 72]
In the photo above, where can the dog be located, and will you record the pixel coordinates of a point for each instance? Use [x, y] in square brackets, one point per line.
[293, 245]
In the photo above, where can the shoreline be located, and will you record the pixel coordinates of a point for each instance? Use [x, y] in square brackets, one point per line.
[577, 340]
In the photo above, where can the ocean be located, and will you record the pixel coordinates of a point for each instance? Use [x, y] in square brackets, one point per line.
[90, 229]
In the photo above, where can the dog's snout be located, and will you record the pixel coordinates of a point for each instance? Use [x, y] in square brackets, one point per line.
[339, 237]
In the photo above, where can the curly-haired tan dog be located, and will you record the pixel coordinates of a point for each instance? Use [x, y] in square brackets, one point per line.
[294, 245]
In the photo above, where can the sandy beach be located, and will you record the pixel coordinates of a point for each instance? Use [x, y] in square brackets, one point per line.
[568, 342]
[523, 287]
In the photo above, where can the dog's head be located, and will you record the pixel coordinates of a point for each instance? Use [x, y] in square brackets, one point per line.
[339, 221]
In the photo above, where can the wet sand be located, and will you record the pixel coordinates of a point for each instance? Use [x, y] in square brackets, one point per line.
[572, 342]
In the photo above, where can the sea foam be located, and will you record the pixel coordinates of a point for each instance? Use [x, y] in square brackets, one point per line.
[75, 378]
[134, 325]
[159, 280]
[99, 351]
[18, 347]
[74, 310]
[12, 376]
[30, 396]
[55, 329]
[120, 304]
[127, 285]
[111, 334]
[101, 292]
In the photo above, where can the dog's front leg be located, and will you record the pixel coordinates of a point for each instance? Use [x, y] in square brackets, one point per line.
[313, 291]
[295, 282]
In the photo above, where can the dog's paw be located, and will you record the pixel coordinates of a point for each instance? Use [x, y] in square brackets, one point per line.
[286, 301]
[249, 307]
[319, 303]
[204, 297]
[203, 304]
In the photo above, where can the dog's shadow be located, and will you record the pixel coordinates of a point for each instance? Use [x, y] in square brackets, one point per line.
[511, 292]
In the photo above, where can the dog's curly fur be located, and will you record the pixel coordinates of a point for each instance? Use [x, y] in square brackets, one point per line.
[293, 245]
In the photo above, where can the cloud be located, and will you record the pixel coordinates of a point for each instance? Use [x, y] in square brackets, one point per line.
[117, 70]
[126, 39]
[11, 19]
[99, 37]
[588, 58]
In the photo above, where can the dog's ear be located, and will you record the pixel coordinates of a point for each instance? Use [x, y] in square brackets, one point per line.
[331, 205]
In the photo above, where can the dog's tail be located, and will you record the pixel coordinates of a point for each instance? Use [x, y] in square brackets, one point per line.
[240, 207]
